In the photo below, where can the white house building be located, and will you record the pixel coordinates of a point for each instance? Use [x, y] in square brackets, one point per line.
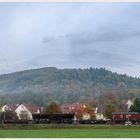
[5, 108]
[99, 116]
[21, 110]
[129, 104]
[85, 116]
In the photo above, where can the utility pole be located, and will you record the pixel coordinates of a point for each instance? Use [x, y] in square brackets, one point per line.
[4, 114]
[4, 117]
[101, 109]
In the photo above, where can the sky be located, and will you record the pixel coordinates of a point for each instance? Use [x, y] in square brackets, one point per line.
[70, 35]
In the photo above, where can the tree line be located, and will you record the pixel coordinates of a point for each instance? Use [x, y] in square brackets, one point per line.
[43, 86]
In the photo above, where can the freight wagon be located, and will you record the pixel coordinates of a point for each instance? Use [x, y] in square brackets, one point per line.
[123, 117]
[53, 118]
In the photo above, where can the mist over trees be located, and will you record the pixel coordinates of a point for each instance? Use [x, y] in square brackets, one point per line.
[46, 85]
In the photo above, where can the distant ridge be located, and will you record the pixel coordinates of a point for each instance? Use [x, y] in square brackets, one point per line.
[44, 85]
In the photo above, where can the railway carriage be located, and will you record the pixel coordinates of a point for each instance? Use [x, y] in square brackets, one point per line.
[122, 117]
[53, 118]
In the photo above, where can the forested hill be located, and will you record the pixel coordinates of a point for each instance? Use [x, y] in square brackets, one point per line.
[40, 86]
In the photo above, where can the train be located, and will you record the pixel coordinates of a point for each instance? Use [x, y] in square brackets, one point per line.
[69, 118]
[46, 118]
[117, 118]
[123, 117]
[53, 118]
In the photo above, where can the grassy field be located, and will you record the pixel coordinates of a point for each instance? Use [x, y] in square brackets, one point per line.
[71, 131]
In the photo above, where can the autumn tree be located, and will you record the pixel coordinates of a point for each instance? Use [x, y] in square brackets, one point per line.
[53, 108]
[92, 103]
[109, 110]
[81, 110]
[78, 115]
[88, 109]
[110, 98]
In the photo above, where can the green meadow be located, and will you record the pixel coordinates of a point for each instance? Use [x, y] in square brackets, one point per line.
[69, 131]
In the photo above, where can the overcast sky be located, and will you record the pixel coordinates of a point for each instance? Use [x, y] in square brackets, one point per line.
[70, 35]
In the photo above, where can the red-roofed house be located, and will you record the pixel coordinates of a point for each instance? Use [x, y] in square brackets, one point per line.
[73, 108]
[77, 108]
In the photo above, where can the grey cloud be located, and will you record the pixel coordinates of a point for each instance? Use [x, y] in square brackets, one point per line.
[100, 49]
[88, 39]
[70, 36]
[100, 57]
[80, 39]
[102, 36]
[48, 39]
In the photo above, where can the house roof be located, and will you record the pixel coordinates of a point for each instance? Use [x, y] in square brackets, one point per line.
[129, 102]
[72, 105]
[72, 108]
[13, 107]
[31, 108]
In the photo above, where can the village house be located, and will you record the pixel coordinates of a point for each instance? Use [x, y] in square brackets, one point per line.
[23, 111]
[129, 104]
[85, 116]
[72, 108]
[99, 116]
[78, 109]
